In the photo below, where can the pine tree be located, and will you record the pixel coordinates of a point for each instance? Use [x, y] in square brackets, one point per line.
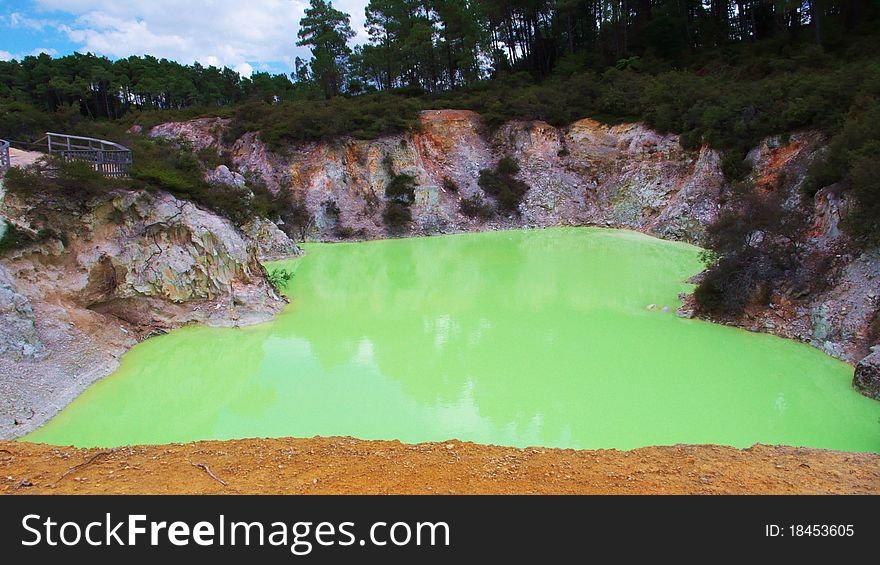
[327, 31]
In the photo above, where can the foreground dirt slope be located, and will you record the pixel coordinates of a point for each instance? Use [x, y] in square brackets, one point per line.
[350, 466]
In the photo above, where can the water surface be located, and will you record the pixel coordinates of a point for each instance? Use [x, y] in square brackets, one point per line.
[514, 338]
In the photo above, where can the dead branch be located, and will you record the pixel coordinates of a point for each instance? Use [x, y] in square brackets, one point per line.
[208, 470]
[91, 460]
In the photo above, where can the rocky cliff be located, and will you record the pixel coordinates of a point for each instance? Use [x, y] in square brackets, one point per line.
[625, 176]
[588, 173]
[128, 265]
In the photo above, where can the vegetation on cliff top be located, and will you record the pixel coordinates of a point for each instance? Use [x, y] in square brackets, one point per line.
[159, 165]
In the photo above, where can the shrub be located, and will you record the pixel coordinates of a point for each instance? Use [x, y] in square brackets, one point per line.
[751, 247]
[734, 165]
[295, 215]
[863, 222]
[401, 189]
[476, 207]
[15, 238]
[396, 216]
[345, 232]
[501, 184]
[211, 158]
[279, 279]
[75, 182]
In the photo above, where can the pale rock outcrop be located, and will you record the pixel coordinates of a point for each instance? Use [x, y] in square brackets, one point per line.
[19, 340]
[223, 176]
[272, 244]
[168, 249]
[134, 263]
[200, 134]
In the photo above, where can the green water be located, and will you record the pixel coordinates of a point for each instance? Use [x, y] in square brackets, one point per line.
[515, 338]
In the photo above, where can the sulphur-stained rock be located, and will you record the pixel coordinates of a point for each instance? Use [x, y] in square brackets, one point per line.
[272, 243]
[587, 173]
[866, 379]
[251, 155]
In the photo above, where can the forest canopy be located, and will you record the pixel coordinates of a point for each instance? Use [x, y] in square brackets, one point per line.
[432, 47]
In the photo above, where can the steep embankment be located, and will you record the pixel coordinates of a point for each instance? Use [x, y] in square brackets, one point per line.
[350, 466]
[127, 265]
[585, 174]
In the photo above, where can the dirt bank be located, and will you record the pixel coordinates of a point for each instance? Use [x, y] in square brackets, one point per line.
[350, 466]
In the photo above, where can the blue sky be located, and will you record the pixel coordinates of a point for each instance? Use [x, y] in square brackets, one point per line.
[247, 35]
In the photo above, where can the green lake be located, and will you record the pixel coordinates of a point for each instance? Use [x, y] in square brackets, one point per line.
[516, 338]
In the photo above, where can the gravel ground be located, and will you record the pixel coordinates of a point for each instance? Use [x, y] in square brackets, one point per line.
[350, 466]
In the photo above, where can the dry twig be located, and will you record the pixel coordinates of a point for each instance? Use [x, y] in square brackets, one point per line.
[207, 470]
[91, 460]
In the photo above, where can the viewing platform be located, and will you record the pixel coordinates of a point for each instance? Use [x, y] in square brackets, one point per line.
[108, 158]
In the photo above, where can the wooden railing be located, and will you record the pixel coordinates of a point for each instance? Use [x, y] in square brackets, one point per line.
[4, 155]
[106, 157]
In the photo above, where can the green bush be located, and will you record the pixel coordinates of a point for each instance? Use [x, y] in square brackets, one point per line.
[396, 216]
[476, 207]
[331, 209]
[74, 181]
[279, 279]
[401, 188]
[502, 185]
[14, 238]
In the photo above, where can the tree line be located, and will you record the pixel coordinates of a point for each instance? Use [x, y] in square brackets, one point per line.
[438, 45]
[101, 88]
[433, 46]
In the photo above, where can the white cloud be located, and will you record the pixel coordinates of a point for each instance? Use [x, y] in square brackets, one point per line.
[46, 50]
[19, 20]
[7, 56]
[235, 33]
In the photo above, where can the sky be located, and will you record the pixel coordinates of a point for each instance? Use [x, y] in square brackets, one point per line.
[245, 35]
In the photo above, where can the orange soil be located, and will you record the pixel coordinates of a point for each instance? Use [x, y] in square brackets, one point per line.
[350, 466]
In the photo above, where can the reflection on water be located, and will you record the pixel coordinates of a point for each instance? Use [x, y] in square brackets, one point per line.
[519, 338]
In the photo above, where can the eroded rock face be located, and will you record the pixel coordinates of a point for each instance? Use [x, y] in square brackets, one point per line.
[867, 376]
[134, 263]
[167, 249]
[19, 340]
[272, 244]
[588, 173]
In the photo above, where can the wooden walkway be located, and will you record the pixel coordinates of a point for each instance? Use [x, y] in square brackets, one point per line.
[107, 157]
